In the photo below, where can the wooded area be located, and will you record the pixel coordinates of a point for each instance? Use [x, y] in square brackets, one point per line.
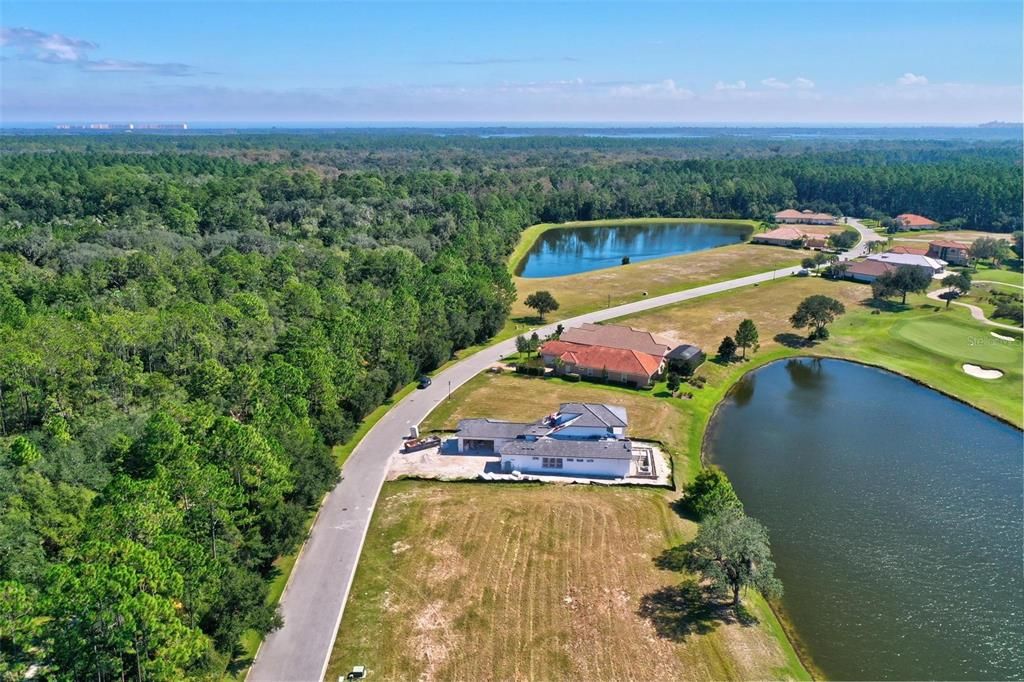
[189, 323]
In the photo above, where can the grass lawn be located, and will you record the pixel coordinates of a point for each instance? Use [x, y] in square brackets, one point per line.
[586, 291]
[1004, 275]
[467, 581]
[922, 340]
[956, 235]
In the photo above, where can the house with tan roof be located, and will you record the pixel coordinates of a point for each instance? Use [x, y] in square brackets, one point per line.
[617, 336]
[910, 250]
[806, 217]
[912, 221]
[780, 236]
[610, 352]
[867, 270]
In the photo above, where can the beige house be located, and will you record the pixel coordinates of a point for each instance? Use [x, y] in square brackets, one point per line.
[791, 216]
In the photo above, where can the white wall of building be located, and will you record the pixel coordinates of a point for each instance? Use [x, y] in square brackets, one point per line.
[571, 466]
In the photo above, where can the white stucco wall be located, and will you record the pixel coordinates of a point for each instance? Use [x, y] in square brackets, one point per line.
[614, 468]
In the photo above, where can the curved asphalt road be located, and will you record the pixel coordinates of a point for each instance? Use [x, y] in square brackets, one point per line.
[314, 599]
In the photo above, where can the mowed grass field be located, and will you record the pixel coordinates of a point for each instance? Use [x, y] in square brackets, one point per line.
[588, 291]
[464, 581]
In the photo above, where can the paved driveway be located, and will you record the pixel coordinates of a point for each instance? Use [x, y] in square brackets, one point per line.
[313, 601]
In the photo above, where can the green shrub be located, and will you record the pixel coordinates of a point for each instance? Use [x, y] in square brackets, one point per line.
[572, 377]
[710, 493]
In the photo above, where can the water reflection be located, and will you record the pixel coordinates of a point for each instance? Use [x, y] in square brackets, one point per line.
[565, 251]
[896, 518]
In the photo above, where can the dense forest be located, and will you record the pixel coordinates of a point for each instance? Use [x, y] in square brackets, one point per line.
[188, 324]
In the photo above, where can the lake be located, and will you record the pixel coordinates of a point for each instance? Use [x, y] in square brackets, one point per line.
[895, 515]
[569, 250]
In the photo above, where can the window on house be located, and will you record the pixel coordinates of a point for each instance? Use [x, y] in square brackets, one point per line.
[552, 463]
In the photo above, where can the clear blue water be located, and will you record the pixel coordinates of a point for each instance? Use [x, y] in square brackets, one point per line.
[569, 250]
[895, 514]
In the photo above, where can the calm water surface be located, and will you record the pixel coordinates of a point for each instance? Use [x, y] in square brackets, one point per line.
[566, 251]
[895, 514]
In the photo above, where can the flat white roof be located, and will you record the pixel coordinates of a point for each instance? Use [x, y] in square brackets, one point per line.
[909, 259]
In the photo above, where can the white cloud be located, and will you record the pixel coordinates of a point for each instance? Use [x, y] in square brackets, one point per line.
[55, 48]
[666, 89]
[738, 85]
[45, 47]
[912, 79]
[799, 83]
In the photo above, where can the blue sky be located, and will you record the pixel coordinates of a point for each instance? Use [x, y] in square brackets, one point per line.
[687, 62]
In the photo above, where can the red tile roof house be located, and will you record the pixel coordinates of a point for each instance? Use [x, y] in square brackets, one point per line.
[950, 251]
[805, 217]
[618, 353]
[912, 221]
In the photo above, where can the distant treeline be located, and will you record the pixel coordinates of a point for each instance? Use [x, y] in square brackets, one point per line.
[188, 324]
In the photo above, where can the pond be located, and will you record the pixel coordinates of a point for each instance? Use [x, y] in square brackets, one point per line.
[895, 515]
[569, 250]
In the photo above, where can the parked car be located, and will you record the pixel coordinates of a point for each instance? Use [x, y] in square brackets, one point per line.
[424, 381]
[802, 273]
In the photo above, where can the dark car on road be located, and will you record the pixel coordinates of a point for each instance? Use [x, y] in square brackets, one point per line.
[424, 382]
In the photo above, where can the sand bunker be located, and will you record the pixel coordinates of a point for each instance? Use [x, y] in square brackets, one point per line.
[981, 372]
[1001, 337]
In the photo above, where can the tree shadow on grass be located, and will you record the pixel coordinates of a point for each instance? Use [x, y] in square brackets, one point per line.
[885, 305]
[790, 340]
[678, 611]
[529, 320]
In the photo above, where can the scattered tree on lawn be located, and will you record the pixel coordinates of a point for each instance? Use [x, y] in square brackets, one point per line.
[727, 349]
[807, 263]
[906, 279]
[958, 283]
[710, 493]
[522, 344]
[673, 382]
[816, 312]
[985, 248]
[844, 240]
[732, 552]
[837, 270]
[746, 335]
[542, 301]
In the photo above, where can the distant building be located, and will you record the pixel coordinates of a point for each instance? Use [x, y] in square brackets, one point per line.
[950, 251]
[780, 236]
[805, 217]
[933, 266]
[580, 439]
[912, 221]
[792, 236]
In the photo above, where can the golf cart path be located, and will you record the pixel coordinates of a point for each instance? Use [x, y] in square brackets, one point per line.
[976, 312]
[314, 598]
[992, 281]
